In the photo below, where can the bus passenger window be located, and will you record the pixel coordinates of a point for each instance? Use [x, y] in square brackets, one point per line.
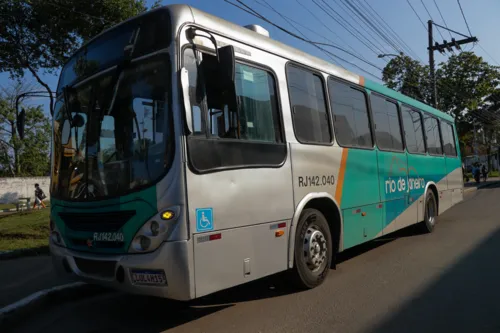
[414, 133]
[449, 144]
[307, 98]
[350, 114]
[387, 126]
[432, 135]
[257, 117]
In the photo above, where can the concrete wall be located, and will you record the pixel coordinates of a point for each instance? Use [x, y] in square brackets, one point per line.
[13, 188]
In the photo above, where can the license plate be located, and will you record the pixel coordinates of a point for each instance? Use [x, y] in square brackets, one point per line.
[108, 237]
[149, 277]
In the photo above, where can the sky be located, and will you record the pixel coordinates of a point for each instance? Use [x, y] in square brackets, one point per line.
[317, 26]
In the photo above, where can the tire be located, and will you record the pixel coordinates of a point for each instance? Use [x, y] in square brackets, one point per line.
[311, 266]
[431, 212]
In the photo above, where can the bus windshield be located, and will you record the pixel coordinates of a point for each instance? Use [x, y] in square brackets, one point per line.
[119, 137]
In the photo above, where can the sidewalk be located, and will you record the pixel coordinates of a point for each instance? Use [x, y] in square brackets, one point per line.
[22, 277]
[472, 185]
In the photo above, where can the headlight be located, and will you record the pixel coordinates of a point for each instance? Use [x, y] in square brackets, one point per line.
[155, 228]
[141, 243]
[154, 231]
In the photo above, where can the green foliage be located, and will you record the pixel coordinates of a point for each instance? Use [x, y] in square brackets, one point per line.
[464, 82]
[466, 85]
[28, 157]
[39, 35]
[409, 77]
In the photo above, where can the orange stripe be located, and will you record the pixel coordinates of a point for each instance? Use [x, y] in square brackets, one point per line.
[362, 81]
[340, 180]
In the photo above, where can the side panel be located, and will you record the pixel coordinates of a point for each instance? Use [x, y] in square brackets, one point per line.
[393, 181]
[360, 191]
[455, 182]
[240, 205]
[239, 256]
[361, 224]
[315, 169]
[416, 182]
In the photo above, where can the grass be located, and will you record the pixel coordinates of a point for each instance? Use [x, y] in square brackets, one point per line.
[490, 174]
[26, 230]
[7, 206]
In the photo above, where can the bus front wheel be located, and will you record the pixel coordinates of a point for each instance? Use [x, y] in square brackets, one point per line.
[313, 250]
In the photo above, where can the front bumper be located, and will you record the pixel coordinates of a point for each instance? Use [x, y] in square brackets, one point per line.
[175, 258]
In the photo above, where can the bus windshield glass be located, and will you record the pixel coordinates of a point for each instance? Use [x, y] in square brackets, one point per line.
[119, 137]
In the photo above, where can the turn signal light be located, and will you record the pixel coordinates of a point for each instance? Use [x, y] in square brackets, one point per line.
[279, 233]
[167, 215]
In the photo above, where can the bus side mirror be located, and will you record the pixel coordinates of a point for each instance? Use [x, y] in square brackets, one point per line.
[20, 121]
[227, 66]
[226, 71]
[186, 98]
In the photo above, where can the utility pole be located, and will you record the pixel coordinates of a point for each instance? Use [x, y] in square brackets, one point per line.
[434, 46]
[431, 65]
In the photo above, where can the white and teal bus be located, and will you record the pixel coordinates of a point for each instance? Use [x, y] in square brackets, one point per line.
[191, 155]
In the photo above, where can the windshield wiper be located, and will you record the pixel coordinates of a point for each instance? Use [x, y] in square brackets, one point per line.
[125, 63]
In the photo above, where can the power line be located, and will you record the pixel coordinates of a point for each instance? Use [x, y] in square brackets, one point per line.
[329, 29]
[320, 43]
[359, 21]
[370, 17]
[260, 16]
[463, 15]
[489, 55]
[348, 30]
[383, 23]
[423, 24]
[442, 18]
[288, 20]
[370, 24]
[430, 16]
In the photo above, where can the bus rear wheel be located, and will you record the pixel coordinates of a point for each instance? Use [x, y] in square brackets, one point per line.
[431, 212]
[313, 250]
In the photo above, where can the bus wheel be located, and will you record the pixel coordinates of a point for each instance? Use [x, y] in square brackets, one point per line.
[430, 212]
[313, 250]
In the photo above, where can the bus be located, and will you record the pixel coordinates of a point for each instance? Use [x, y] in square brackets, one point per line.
[191, 155]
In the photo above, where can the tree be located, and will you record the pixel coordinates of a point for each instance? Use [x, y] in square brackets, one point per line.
[466, 85]
[28, 157]
[464, 82]
[407, 76]
[39, 36]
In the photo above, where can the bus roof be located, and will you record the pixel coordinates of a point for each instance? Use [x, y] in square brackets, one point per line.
[183, 13]
[268, 44]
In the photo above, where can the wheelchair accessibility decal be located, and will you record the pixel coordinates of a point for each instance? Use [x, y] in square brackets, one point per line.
[204, 219]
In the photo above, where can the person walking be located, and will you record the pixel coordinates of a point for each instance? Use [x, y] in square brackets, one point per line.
[39, 196]
[484, 171]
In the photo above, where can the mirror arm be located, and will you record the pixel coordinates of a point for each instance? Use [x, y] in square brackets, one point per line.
[185, 97]
[191, 34]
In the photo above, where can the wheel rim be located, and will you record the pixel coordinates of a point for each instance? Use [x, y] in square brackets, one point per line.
[431, 211]
[315, 248]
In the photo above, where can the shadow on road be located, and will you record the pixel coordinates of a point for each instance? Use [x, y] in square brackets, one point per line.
[118, 312]
[413, 230]
[465, 298]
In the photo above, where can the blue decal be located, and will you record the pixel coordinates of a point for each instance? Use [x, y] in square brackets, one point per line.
[204, 219]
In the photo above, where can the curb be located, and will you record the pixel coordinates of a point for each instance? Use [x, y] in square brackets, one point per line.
[14, 313]
[14, 254]
[475, 188]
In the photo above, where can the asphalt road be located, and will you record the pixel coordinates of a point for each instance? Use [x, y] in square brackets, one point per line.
[448, 281]
[22, 277]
